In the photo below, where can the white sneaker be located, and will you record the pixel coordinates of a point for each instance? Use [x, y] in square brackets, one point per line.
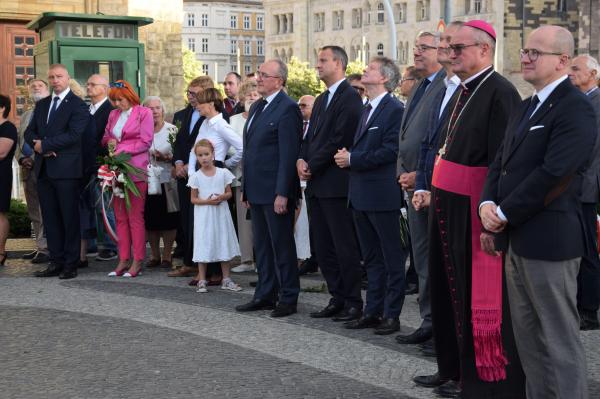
[244, 267]
[202, 286]
[228, 284]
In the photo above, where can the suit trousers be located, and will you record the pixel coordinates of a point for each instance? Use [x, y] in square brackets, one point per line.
[542, 297]
[385, 260]
[130, 224]
[276, 261]
[244, 228]
[588, 280]
[419, 239]
[186, 213]
[336, 249]
[59, 200]
[34, 211]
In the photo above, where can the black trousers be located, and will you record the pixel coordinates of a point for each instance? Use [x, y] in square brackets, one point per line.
[588, 280]
[59, 201]
[336, 248]
[186, 213]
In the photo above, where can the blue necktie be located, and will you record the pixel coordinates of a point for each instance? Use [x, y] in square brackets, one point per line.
[416, 98]
[525, 120]
[365, 117]
[53, 109]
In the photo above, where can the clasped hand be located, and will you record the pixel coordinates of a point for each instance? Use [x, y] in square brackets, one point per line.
[342, 158]
[490, 219]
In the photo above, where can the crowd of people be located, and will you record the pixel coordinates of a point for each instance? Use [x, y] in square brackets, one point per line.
[500, 196]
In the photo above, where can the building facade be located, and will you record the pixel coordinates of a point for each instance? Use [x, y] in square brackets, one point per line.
[225, 35]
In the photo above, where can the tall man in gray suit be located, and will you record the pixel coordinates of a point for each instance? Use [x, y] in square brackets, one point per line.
[584, 75]
[413, 130]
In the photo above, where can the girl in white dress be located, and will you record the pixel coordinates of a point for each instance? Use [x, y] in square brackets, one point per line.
[214, 234]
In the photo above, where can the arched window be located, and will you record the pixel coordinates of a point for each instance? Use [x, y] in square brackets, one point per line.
[380, 49]
[380, 13]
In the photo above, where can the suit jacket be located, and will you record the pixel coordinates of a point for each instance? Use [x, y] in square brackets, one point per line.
[590, 191]
[373, 184]
[537, 174]
[136, 136]
[416, 127]
[271, 146]
[184, 141]
[63, 135]
[100, 119]
[327, 133]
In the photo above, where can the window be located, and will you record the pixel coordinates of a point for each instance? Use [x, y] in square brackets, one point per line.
[204, 20]
[191, 19]
[561, 6]
[233, 22]
[260, 22]
[246, 22]
[319, 22]
[247, 69]
[234, 47]
[380, 13]
[423, 10]
[260, 48]
[401, 12]
[24, 46]
[477, 6]
[205, 69]
[247, 49]
[380, 49]
[357, 17]
[204, 45]
[338, 20]
[233, 67]
[192, 44]
[368, 14]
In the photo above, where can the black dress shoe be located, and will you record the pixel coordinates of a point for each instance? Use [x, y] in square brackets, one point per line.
[52, 270]
[449, 389]
[82, 264]
[255, 304]
[430, 381]
[68, 274]
[40, 258]
[328, 311]
[283, 309]
[253, 283]
[428, 348]
[418, 336]
[387, 327]
[29, 255]
[308, 266]
[366, 321]
[348, 315]
[411, 289]
[588, 324]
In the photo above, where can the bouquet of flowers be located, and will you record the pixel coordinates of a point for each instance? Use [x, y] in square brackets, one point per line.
[116, 174]
[173, 134]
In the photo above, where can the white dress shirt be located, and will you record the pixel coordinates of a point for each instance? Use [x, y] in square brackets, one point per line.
[332, 89]
[222, 136]
[268, 99]
[95, 107]
[118, 128]
[374, 103]
[61, 96]
[160, 143]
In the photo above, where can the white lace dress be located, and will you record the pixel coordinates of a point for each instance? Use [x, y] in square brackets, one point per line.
[214, 233]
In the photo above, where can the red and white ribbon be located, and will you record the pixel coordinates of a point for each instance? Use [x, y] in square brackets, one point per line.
[108, 180]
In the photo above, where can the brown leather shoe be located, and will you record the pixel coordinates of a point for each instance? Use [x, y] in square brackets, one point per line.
[183, 271]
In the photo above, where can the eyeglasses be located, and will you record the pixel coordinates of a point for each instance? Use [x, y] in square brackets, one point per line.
[304, 105]
[263, 75]
[458, 48]
[94, 84]
[421, 48]
[191, 93]
[534, 54]
[118, 85]
[359, 89]
[407, 79]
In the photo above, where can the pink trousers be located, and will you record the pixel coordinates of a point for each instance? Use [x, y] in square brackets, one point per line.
[130, 225]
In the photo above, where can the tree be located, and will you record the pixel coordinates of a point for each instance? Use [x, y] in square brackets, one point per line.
[302, 79]
[192, 68]
[356, 66]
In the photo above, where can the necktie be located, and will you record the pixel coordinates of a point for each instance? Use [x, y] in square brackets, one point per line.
[365, 117]
[325, 100]
[259, 109]
[525, 120]
[304, 128]
[228, 106]
[416, 98]
[53, 108]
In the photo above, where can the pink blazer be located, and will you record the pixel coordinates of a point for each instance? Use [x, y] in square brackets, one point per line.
[136, 137]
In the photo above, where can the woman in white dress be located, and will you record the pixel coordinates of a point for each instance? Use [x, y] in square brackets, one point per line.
[214, 234]
[248, 94]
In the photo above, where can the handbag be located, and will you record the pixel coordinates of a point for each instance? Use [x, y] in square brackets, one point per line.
[172, 196]
[154, 186]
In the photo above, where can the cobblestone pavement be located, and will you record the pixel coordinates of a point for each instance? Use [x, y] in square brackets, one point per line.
[97, 337]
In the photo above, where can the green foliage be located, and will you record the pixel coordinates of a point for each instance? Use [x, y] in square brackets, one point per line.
[192, 68]
[20, 225]
[302, 79]
[356, 66]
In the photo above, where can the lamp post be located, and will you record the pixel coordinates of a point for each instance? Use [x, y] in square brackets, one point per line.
[392, 27]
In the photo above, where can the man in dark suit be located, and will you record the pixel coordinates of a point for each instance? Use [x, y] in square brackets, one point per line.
[55, 134]
[100, 107]
[532, 198]
[413, 130]
[376, 198]
[270, 189]
[231, 87]
[584, 75]
[332, 126]
[188, 121]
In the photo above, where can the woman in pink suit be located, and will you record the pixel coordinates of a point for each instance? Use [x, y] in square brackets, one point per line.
[130, 129]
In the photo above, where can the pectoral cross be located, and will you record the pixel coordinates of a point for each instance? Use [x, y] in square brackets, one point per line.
[442, 151]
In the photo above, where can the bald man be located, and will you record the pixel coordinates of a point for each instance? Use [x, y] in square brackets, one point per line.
[97, 90]
[531, 200]
[306, 105]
